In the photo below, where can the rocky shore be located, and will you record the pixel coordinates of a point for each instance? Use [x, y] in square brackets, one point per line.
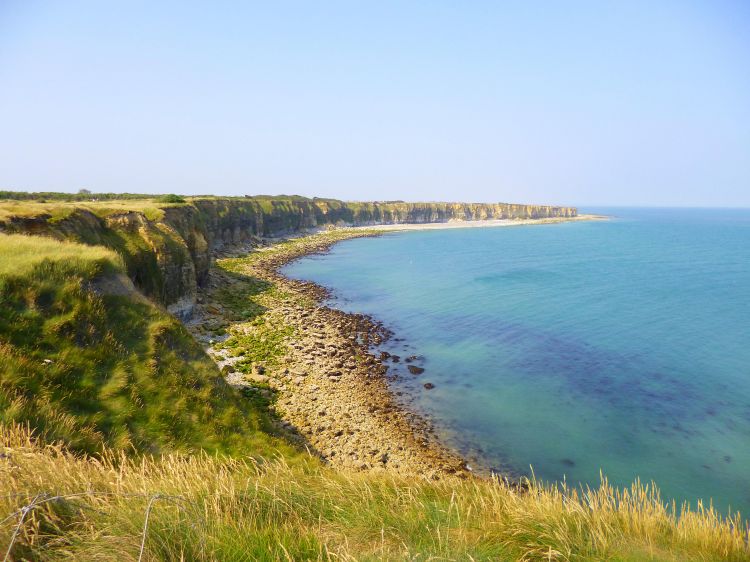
[315, 365]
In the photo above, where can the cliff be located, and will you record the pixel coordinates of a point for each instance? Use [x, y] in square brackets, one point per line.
[167, 247]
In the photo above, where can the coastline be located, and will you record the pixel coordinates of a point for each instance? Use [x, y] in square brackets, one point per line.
[489, 223]
[327, 387]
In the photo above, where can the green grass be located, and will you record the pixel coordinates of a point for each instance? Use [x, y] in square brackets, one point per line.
[255, 336]
[96, 371]
[20, 254]
[58, 210]
[241, 299]
[260, 341]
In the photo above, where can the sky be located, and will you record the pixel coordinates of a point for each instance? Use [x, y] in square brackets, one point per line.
[571, 103]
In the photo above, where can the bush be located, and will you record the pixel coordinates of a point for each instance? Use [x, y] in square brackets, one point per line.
[171, 198]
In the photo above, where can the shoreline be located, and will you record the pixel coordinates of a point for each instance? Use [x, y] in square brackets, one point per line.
[488, 223]
[328, 388]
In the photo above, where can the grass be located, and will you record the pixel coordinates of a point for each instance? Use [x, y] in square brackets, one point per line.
[256, 336]
[241, 299]
[100, 371]
[259, 341]
[59, 210]
[20, 254]
[219, 508]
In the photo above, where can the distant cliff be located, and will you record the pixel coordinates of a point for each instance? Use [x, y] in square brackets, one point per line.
[167, 248]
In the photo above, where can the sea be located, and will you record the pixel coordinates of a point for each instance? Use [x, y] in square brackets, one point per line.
[574, 350]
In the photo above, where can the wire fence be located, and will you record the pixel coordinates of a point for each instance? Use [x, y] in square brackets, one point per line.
[43, 498]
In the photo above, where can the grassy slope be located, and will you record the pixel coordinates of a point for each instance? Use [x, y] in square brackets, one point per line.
[125, 376]
[107, 370]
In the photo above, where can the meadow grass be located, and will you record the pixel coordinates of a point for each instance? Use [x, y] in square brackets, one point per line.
[58, 210]
[58, 206]
[19, 254]
[205, 507]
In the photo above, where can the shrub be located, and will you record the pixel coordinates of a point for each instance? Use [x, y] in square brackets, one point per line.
[171, 198]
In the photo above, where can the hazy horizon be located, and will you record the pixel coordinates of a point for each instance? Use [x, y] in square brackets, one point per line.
[580, 104]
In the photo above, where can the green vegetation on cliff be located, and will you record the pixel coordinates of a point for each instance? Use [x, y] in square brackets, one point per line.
[84, 359]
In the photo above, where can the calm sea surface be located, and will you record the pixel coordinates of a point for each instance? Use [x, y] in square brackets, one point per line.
[622, 345]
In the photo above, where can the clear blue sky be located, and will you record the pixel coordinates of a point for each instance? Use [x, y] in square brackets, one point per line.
[581, 103]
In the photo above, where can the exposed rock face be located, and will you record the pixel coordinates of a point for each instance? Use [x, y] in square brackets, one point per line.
[169, 257]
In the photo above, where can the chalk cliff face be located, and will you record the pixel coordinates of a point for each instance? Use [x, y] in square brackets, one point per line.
[168, 256]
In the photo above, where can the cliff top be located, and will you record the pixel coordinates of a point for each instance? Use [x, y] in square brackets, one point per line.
[57, 206]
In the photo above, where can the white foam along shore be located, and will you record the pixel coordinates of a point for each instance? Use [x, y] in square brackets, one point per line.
[483, 223]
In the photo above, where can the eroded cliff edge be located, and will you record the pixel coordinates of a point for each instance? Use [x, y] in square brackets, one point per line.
[167, 249]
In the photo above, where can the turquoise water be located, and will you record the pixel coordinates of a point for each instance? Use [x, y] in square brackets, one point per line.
[621, 345]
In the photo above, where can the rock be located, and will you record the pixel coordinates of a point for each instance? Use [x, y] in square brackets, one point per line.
[414, 370]
[429, 385]
[262, 379]
[299, 380]
[395, 358]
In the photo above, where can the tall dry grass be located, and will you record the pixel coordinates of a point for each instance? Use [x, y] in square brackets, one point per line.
[20, 253]
[55, 210]
[216, 508]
